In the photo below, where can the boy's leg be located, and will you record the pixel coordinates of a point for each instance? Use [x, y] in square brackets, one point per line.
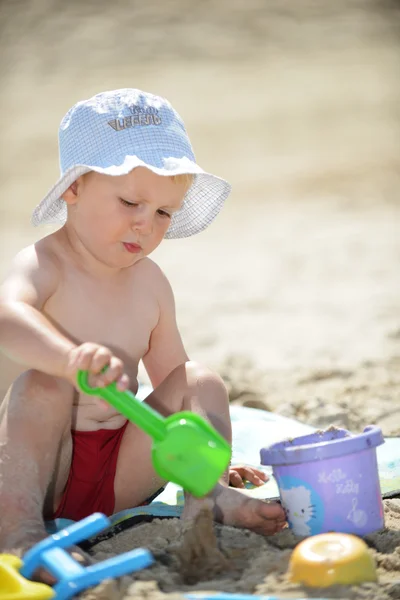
[35, 456]
[190, 387]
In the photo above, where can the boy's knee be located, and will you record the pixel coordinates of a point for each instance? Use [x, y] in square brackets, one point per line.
[33, 385]
[38, 399]
[199, 375]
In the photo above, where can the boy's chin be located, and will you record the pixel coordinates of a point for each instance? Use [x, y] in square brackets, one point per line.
[119, 262]
[131, 260]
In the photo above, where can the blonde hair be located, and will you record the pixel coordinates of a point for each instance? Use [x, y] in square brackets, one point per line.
[185, 178]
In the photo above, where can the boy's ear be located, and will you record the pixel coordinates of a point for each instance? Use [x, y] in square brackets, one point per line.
[70, 196]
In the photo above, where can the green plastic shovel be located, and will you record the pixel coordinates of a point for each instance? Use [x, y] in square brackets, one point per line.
[186, 449]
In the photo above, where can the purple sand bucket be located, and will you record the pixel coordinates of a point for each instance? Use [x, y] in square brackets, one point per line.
[328, 481]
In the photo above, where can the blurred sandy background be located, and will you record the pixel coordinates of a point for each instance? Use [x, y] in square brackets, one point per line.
[293, 293]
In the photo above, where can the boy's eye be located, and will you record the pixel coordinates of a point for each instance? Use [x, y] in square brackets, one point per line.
[126, 203]
[163, 213]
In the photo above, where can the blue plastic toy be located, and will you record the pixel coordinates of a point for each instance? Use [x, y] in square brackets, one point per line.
[72, 576]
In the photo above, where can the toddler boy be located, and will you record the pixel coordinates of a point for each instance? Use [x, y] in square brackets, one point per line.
[88, 297]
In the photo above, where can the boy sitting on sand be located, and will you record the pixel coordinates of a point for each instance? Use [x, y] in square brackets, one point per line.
[87, 297]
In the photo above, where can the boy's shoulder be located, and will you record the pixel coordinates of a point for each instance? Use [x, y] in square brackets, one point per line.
[152, 274]
[33, 272]
[39, 256]
[154, 279]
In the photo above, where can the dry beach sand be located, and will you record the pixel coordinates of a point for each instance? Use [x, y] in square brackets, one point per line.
[235, 561]
[293, 294]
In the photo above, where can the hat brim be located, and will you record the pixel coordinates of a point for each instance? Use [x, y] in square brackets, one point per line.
[202, 203]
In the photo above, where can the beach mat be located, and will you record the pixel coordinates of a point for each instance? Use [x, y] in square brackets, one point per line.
[252, 429]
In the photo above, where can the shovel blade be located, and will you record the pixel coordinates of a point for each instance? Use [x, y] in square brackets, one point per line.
[192, 454]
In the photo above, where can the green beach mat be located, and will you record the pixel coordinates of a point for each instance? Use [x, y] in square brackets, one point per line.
[252, 429]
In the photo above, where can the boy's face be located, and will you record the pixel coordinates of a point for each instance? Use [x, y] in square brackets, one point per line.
[122, 219]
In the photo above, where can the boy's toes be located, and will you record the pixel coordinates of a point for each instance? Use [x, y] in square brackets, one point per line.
[271, 510]
[257, 515]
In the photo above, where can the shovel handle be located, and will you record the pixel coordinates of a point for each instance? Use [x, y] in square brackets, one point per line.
[145, 417]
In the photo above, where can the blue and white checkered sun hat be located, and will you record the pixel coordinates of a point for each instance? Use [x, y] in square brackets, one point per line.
[116, 131]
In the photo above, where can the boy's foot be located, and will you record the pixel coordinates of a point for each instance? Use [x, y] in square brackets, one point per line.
[233, 507]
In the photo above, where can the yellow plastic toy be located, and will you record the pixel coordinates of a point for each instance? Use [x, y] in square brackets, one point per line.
[332, 559]
[15, 587]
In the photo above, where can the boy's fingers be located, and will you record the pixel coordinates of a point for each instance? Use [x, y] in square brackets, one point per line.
[114, 370]
[82, 357]
[94, 358]
[123, 383]
[254, 475]
[101, 359]
[235, 479]
[251, 474]
[254, 478]
[252, 471]
[263, 476]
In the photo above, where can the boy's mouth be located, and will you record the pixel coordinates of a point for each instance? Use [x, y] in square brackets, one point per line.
[132, 248]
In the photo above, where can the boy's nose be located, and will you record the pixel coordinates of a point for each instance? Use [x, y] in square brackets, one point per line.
[143, 223]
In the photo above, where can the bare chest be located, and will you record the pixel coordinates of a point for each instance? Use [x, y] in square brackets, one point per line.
[119, 317]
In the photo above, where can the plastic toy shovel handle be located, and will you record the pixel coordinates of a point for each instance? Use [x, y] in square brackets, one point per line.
[127, 404]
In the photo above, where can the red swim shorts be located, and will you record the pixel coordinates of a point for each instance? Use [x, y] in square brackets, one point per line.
[90, 485]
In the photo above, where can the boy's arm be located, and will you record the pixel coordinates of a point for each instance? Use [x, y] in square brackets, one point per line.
[26, 335]
[166, 350]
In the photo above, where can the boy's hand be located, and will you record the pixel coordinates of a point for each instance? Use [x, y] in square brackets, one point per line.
[93, 358]
[238, 474]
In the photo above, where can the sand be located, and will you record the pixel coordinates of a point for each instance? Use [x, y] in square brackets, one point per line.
[296, 284]
[204, 557]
